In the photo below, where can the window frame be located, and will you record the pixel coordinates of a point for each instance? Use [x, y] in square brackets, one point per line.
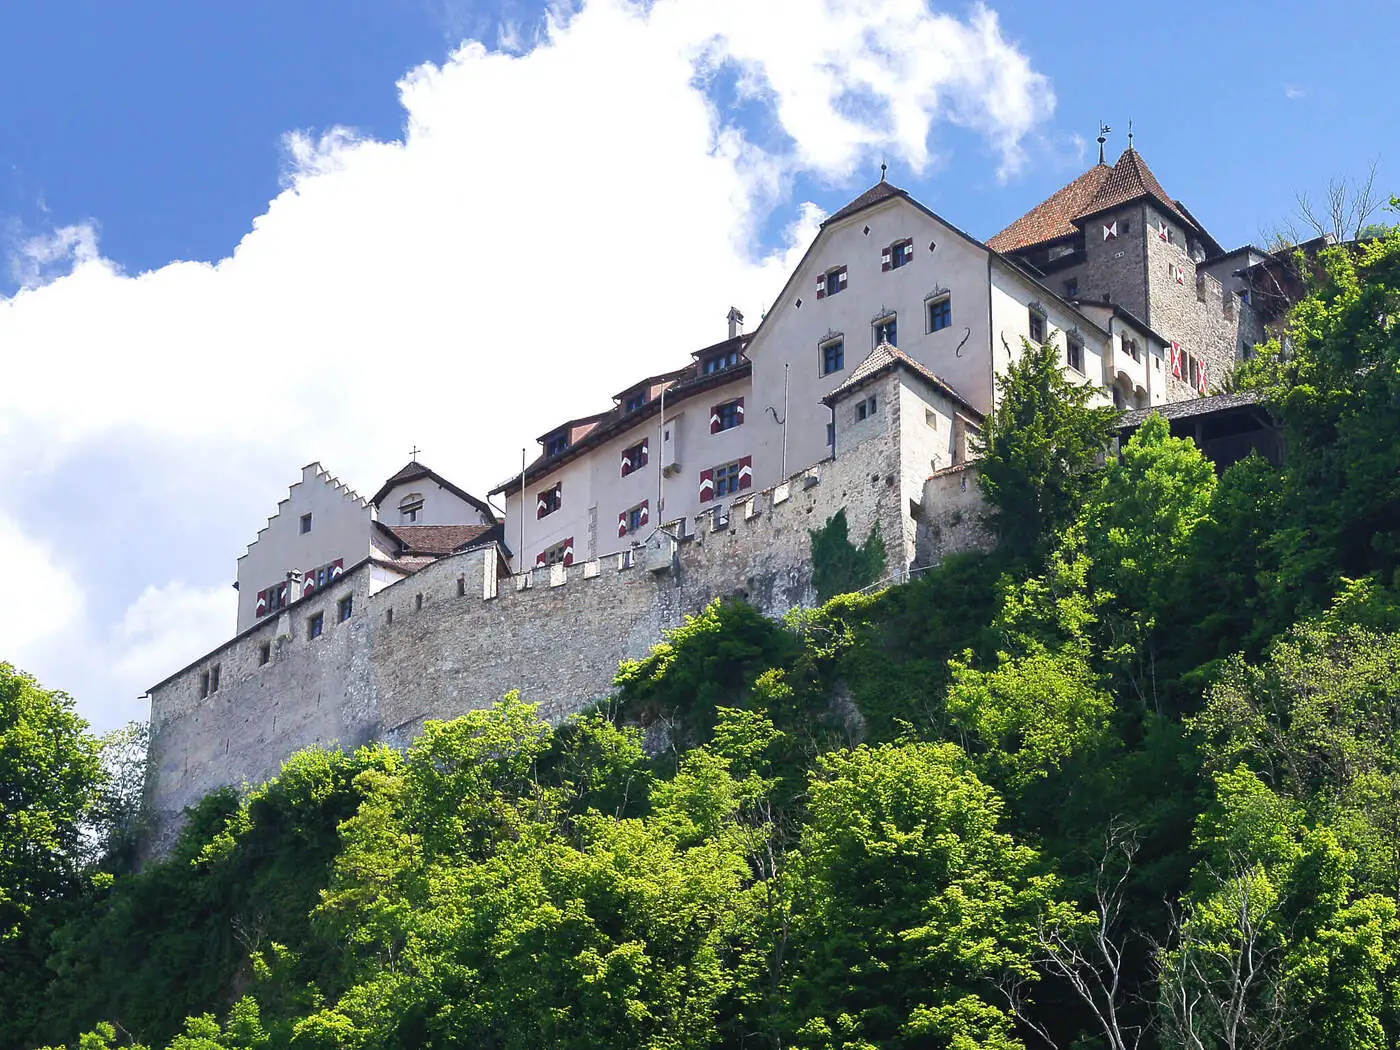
[824, 349]
[933, 314]
[1074, 346]
[730, 413]
[1037, 318]
[888, 321]
[315, 626]
[410, 508]
[557, 443]
[866, 408]
[726, 479]
[345, 608]
[549, 501]
[305, 524]
[897, 254]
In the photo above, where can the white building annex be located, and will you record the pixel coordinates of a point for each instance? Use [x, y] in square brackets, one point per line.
[858, 391]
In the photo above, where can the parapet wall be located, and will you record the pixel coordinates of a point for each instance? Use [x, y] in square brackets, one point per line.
[458, 635]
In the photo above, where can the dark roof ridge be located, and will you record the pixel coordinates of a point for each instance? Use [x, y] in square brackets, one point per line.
[413, 470]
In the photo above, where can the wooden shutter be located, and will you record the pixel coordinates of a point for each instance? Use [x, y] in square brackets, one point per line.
[622, 525]
[746, 472]
[885, 258]
[707, 485]
[569, 551]
[821, 286]
[541, 559]
[643, 517]
[714, 419]
[262, 603]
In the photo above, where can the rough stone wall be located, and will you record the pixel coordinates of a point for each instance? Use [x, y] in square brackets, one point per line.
[460, 636]
[950, 516]
[311, 691]
[1209, 322]
[1116, 266]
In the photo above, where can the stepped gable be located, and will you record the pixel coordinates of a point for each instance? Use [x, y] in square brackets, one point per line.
[885, 358]
[312, 470]
[1099, 189]
[413, 471]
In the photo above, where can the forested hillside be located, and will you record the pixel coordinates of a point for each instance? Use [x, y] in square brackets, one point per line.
[1131, 779]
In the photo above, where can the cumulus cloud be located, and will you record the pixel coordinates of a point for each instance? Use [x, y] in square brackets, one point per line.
[166, 628]
[41, 597]
[563, 214]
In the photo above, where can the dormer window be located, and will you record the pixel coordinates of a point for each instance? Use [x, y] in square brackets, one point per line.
[897, 254]
[719, 362]
[634, 401]
[410, 508]
[886, 330]
[831, 282]
[556, 443]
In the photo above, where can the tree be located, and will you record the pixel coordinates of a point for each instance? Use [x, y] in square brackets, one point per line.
[1336, 390]
[910, 904]
[1039, 452]
[50, 778]
[838, 565]
[1343, 212]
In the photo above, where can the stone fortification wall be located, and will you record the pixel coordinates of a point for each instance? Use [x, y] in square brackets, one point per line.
[950, 517]
[458, 635]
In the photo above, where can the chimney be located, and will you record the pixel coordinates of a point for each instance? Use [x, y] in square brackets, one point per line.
[736, 321]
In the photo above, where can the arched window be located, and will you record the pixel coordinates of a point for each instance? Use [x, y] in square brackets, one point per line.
[410, 508]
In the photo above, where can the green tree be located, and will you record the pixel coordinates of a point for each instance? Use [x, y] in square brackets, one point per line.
[838, 565]
[911, 905]
[1040, 450]
[50, 779]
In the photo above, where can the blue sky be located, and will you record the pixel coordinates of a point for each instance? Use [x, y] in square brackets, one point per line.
[350, 287]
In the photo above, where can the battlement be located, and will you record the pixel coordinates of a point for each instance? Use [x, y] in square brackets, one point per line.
[365, 659]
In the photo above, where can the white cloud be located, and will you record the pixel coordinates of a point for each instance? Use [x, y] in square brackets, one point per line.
[166, 628]
[1292, 91]
[554, 223]
[41, 598]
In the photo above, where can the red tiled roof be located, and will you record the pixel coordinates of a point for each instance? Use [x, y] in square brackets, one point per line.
[1053, 218]
[437, 539]
[1097, 190]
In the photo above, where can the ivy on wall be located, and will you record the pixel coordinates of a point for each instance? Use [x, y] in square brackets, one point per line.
[838, 565]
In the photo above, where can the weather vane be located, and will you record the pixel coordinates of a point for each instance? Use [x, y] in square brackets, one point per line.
[1104, 131]
[883, 168]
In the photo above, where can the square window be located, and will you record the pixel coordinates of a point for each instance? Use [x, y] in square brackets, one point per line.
[1037, 326]
[940, 314]
[834, 281]
[866, 408]
[315, 625]
[887, 331]
[410, 508]
[305, 524]
[550, 500]
[833, 356]
[635, 401]
[726, 479]
[636, 517]
[730, 415]
[1074, 353]
[1072, 287]
[345, 607]
[555, 555]
[556, 443]
[634, 458]
[264, 653]
[900, 253]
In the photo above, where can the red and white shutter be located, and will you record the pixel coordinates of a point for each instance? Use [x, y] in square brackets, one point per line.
[627, 466]
[646, 455]
[308, 584]
[1176, 359]
[707, 485]
[643, 517]
[714, 419]
[908, 250]
[821, 286]
[337, 568]
[622, 525]
[885, 258]
[740, 403]
[1180, 274]
[262, 603]
[841, 280]
[1163, 232]
[1110, 230]
[569, 551]
[746, 472]
[1201, 384]
[541, 507]
[541, 559]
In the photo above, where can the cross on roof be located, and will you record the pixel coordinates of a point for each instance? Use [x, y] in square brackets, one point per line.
[414, 454]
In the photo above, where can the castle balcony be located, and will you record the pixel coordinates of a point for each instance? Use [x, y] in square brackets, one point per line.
[1128, 372]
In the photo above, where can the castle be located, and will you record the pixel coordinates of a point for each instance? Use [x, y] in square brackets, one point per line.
[859, 391]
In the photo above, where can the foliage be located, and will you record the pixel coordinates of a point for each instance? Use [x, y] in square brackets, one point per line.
[50, 777]
[1039, 450]
[838, 565]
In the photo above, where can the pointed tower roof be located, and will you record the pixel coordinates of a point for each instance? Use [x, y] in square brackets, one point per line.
[1097, 190]
[885, 358]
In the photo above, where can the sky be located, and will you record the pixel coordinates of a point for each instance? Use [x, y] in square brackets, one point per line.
[235, 239]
